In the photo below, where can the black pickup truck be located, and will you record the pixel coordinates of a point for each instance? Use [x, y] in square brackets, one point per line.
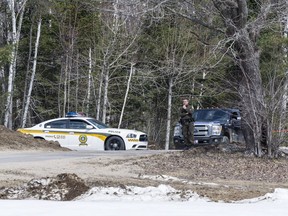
[213, 126]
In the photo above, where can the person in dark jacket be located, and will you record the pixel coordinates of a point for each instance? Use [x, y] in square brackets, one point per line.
[187, 123]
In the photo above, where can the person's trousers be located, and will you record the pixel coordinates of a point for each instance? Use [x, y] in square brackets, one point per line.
[188, 133]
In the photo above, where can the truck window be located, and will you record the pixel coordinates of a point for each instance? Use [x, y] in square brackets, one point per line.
[210, 115]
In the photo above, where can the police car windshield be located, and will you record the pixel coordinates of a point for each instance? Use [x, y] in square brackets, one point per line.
[97, 123]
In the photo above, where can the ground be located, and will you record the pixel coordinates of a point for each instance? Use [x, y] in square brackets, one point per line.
[218, 173]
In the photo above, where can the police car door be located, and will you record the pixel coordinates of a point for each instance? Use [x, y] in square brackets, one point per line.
[56, 131]
[80, 138]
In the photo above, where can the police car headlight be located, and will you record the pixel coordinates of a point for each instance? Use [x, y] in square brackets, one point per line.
[216, 129]
[131, 135]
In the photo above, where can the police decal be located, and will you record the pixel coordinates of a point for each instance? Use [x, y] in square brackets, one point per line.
[83, 140]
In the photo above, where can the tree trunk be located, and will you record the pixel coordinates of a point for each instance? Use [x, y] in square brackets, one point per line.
[12, 67]
[77, 82]
[168, 127]
[105, 97]
[100, 91]
[253, 94]
[2, 78]
[115, 28]
[89, 81]
[246, 56]
[201, 88]
[65, 84]
[27, 77]
[126, 94]
[27, 103]
[285, 87]
[284, 100]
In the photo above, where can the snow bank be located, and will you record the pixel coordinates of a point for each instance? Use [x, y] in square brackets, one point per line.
[116, 201]
[132, 193]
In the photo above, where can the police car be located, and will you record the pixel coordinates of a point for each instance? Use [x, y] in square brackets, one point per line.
[78, 132]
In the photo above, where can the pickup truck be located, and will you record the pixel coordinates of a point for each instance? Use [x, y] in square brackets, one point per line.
[212, 126]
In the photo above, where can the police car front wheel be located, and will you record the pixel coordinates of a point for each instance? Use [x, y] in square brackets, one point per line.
[114, 143]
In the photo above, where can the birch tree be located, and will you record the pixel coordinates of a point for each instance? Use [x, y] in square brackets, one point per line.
[123, 23]
[28, 98]
[89, 81]
[4, 54]
[126, 94]
[13, 40]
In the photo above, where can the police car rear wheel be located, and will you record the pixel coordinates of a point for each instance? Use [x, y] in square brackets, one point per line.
[114, 143]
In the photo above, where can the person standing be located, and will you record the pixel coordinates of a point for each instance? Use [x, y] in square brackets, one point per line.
[187, 122]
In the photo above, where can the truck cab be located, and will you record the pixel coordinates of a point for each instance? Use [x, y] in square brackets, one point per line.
[212, 126]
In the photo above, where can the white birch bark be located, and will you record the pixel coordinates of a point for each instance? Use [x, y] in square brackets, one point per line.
[168, 128]
[15, 36]
[77, 82]
[100, 93]
[126, 94]
[28, 70]
[8, 109]
[105, 97]
[285, 94]
[65, 85]
[2, 78]
[89, 81]
[69, 69]
[201, 88]
[28, 99]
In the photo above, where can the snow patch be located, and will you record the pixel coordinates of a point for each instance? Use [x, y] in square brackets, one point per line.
[166, 178]
[133, 193]
[279, 194]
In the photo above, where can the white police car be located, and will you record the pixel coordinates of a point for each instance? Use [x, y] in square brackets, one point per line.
[77, 132]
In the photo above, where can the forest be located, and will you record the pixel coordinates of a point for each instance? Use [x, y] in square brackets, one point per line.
[129, 63]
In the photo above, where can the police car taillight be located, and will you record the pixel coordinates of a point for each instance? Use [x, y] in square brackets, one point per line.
[75, 114]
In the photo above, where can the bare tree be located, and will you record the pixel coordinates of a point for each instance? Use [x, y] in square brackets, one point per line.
[28, 98]
[89, 81]
[244, 34]
[14, 40]
[2, 54]
[240, 32]
[122, 22]
[174, 62]
[126, 94]
[67, 18]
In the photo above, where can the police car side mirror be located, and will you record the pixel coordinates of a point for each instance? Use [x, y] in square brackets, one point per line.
[89, 127]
